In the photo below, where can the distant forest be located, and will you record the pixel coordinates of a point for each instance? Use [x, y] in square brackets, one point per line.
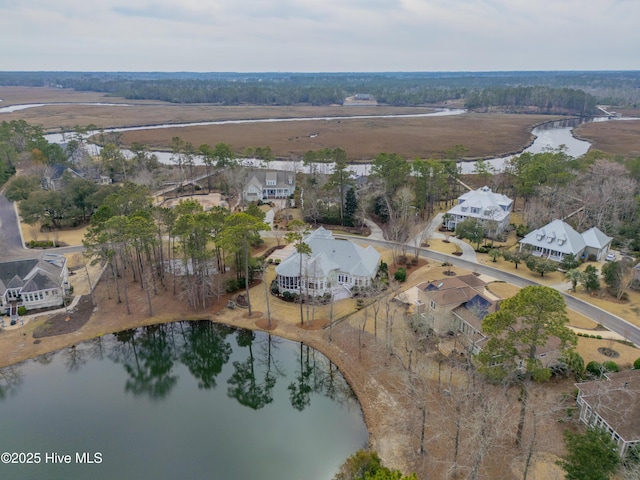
[535, 92]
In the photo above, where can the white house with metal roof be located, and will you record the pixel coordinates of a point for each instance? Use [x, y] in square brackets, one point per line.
[490, 208]
[334, 266]
[558, 239]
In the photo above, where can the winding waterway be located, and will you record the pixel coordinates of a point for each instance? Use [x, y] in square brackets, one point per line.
[548, 136]
[182, 400]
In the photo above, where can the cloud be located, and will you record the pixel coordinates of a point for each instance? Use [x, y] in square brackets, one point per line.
[274, 35]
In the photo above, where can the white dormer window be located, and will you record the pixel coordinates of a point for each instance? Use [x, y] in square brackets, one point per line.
[271, 183]
[560, 241]
[464, 209]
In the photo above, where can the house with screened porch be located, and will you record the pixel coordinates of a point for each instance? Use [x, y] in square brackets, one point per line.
[334, 267]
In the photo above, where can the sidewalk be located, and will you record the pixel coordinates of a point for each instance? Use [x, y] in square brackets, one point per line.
[24, 319]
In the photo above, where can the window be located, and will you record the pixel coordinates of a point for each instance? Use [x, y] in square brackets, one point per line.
[475, 210]
[432, 304]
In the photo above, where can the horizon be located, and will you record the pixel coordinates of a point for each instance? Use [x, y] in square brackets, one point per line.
[328, 72]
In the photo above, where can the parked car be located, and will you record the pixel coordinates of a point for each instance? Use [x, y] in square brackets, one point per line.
[610, 257]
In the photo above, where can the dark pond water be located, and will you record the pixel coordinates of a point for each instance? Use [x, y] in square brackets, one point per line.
[188, 400]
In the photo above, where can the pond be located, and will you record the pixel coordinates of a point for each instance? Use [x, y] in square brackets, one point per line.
[181, 400]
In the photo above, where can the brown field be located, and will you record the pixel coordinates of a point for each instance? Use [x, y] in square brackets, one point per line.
[486, 135]
[363, 139]
[617, 138]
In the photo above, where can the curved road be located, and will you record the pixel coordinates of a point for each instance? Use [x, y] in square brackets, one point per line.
[12, 247]
[612, 322]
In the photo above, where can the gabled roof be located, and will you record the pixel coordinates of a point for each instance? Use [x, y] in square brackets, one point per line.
[29, 274]
[491, 205]
[39, 282]
[282, 178]
[453, 290]
[328, 253]
[594, 238]
[558, 236]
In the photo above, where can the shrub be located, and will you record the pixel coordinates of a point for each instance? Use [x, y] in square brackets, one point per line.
[522, 230]
[611, 366]
[288, 296]
[400, 275]
[595, 368]
[636, 364]
[22, 310]
[232, 285]
[384, 268]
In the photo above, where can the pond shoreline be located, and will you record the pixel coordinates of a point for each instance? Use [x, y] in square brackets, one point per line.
[374, 397]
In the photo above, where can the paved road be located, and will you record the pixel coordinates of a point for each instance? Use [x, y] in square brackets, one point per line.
[9, 230]
[11, 246]
[614, 323]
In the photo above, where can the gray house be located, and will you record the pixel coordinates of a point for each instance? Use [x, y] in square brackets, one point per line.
[33, 283]
[613, 404]
[268, 185]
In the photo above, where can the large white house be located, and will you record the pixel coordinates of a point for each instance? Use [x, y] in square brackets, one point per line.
[490, 208]
[558, 239]
[334, 266]
[33, 283]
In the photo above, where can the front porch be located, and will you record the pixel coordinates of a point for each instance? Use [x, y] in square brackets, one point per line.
[548, 254]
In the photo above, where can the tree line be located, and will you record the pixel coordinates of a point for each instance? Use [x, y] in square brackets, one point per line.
[562, 90]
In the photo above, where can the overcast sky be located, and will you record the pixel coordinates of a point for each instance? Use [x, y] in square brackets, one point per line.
[319, 35]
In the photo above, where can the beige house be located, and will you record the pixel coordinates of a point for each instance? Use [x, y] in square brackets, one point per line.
[613, 404]
[453, 306]
[457, 306]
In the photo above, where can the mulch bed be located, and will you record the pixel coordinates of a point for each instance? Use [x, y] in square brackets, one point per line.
[66, 322]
